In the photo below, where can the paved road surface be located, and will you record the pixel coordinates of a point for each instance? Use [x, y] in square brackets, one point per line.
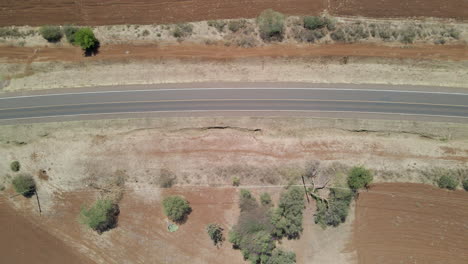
[78, 105]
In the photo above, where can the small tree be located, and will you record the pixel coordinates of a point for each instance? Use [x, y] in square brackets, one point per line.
[282, 257]
[15, 166]
[271, 24]
[51, 33]
[265, 199]
[70, 32]
[100, 217]
[176, 208]
[287, 218]
[359, 177]
[235, 181]
[447, 182]
[85, 38]
[216, 233]
[24, 185]
[465, 184]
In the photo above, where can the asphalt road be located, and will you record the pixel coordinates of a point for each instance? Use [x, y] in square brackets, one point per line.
[338, 100]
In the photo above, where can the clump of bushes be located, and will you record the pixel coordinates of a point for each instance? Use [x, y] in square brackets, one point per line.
[70, 32]
[247, 202]
[265, 199]
[24, 185]
[15, 166]
[218, 24]
[465, 184]
[408, 35]
[314, 22]
[183, 30]
[176, 208]
[287, 218]
[282, 257]
[85, 38]
[236, 25]
[359, 177]
[215, 232]
[335, 211]
[101, 216]
[51, 33]
[271, 25]
[447, 182]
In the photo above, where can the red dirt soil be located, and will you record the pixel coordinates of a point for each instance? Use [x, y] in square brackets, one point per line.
[110, 12]
[411, 223]
[24, 242]
[194, 51]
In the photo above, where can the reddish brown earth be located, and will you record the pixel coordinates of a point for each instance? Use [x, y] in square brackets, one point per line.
[194, 51]
[21, 241]
[411, 223]
[92, 12]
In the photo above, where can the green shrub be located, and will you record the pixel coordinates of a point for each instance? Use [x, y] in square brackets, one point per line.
[218, 24]
[314, 22]
[447, 182]
[100, 217]
[271, 24]
[247, 201]
[282, 257]
[10, 32]
[255, 247]
[176, 208]
[359, 177]
[24, 185]
[336, 211]
[265, 199]
[85, 38]
[182, 30]
[408, 35]
[215, 232]
[287, 218]
[70, 32]
[465, 184]
[15, 166]
[338, 35]
[145, 33]
[236, 25]
[51, 33]
[235, 181]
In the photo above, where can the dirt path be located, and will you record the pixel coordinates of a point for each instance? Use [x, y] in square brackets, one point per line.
[411, 223]
[23, 242]
[191, 51]
[92, 12]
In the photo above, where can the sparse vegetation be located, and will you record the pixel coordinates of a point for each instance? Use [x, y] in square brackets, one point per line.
[70, 32]
[265, 199]
[359, 177]
[247, 201]
[100, 217]
[271, 25]
[314, 22]
[183, 30]
[215, 232]
[24, 185]
[334, 211]
[447, 182]
[145, 33]
[235, 181]
[287, 218]
[176, 208]
[166, 178]
[15, 166]
[85, 38]
[465, 184]
[236, 25]
[218, 24]
[408, 35]
[51, 33]
[12, 32]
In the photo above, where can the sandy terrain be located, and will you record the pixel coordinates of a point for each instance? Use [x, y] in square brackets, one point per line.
[411, 223]
[89, 12]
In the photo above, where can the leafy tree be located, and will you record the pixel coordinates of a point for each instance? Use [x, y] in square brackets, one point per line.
[85, 38]
[271, 24]
[100, 217]
[287, 218]
[336, 211]
[15, 166]
[24, 185]
[51, 33]
[282, 257]
[447, 182]
[465, 184]
[176, 208]
[265, 199]
[70, 32]
[359, 177]
[216, 233]
[314, 22]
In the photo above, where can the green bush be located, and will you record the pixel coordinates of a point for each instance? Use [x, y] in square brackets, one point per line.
[282, 257]
[24, 185]
[70, 32]
[236, 25]
[218, 24]
[338, 35]
[85, 38]
[314, 22]
[215, 232]
[287, 218]
[15, 166]
[182, 30]
[447, 182]
[465, 184]
[100, 217]
[271, 24]
[235, 181]
[51, 33]
[10, 32]
[336, 211]
[256, 247]
[408, 35]
[247, 201]
[176, 208]
[359, 177]
[265, 199]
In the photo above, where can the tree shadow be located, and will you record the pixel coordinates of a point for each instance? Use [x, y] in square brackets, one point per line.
[185, 218]
[112, 220]
[93, 51]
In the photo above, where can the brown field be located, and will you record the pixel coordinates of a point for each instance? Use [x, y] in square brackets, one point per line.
[411, 223]
[92, 12]
[190, 51]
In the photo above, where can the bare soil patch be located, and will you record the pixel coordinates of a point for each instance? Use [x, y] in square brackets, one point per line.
[411, 223]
